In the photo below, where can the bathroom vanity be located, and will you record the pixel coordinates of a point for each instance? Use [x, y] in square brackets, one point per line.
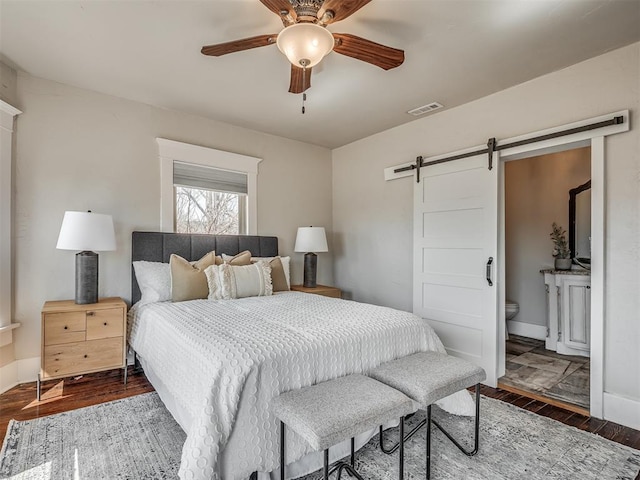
[568, 311]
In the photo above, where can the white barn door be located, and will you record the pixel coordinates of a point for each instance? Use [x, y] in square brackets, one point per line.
[455, 257]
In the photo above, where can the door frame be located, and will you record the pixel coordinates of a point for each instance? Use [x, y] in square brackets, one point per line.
[596, 140]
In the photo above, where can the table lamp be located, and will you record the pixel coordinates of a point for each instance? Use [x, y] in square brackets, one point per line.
[310, 240]
[86, 231]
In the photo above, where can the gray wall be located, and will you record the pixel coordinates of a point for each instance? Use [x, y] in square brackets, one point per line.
[8, 84]
[536, 195]
[372, 219]
[79, 150]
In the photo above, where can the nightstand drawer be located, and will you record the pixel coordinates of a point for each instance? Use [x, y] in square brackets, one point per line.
[66, 327]
[323, 290]
[333, 293]
[67, 359]
[105, 324]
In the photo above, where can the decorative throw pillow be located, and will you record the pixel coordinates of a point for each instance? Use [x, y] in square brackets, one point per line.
[239, 281]
[215, 282]
[154, 280]
[279, 273]
[188, 281]
[243, 258]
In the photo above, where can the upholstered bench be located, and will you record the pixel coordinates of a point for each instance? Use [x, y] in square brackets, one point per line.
[328, 413]
[427, 377]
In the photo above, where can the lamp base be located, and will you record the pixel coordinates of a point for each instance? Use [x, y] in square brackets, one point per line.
[310, 269]
[86, 278]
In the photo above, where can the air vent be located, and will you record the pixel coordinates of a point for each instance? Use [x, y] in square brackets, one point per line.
[429, 107]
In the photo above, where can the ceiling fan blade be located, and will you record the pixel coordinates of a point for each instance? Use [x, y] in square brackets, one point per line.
[368, 51]
[239, 45]
[280, 6]
[299, 82]
[341, 8]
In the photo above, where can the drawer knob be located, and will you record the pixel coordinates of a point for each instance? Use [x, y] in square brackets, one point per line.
[86, 356]
[66, 328]
[105, 324]
[90, 314]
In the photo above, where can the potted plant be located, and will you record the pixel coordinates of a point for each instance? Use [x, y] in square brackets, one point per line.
[561, 251]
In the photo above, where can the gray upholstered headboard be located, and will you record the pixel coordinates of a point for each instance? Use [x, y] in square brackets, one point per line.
[158, 247]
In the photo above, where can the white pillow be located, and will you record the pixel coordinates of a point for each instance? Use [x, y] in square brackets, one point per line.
[285, 265]
[233, 281]
[154, 280]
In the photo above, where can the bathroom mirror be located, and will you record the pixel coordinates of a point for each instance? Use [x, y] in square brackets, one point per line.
[580, 223]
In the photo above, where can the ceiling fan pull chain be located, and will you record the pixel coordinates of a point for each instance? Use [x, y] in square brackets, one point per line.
[304, 82]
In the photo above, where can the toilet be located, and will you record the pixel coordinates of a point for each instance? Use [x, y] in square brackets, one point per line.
[511, 309]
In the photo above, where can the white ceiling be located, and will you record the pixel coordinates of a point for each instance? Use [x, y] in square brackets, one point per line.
[455, 50]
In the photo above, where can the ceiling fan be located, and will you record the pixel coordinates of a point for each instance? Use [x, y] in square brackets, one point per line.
[305, 39]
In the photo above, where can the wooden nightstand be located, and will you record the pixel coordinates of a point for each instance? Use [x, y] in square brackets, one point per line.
[319, 290]
[79, 339]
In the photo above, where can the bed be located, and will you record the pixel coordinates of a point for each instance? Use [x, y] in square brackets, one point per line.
[216, 364]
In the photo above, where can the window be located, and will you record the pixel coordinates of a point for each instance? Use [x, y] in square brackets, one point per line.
[204, 190]
[7, 115]
[209, 200]
[207, 211]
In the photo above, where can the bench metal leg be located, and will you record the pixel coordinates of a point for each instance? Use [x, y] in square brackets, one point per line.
[326, 465]
[353, 452]
[350, 470]
[428, 442]
[469, 453]
[282, 440]
[408, 436]
[401, 459]
[341, 465]
[400, 445]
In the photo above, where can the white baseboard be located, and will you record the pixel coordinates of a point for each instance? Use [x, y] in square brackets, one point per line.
[19, 371]
[528, 330]
[8, 376]
[622, 410]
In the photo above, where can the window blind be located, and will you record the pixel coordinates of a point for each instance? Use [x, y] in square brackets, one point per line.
[209, 178]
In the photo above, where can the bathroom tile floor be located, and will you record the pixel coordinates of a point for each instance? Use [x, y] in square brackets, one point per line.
[532, 368]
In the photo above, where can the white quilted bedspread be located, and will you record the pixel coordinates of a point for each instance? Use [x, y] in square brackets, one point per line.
[223, 361]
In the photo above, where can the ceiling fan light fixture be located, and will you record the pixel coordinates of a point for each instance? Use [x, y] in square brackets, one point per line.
[305, 44]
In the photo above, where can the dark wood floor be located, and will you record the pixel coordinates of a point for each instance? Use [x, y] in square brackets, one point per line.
[20, 403]
[609, 430]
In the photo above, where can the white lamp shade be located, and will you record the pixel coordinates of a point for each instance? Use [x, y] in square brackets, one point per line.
[86, 231]
[311, 239]
[305, 44]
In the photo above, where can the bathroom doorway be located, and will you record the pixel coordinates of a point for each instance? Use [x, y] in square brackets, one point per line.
[547, 309]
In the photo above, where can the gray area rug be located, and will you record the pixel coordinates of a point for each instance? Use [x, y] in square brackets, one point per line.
[514, 444]
[132, 438]
[136, 438]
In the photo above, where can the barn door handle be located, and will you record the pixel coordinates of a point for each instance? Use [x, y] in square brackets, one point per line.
[489, 281]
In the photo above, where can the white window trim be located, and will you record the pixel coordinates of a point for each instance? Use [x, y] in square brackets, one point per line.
[170, 151]
[7, 115]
